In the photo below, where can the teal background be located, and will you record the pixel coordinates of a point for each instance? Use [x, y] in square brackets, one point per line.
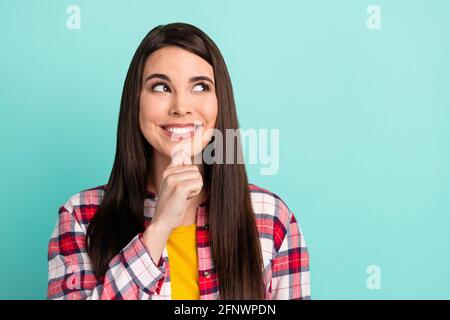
[363, 116]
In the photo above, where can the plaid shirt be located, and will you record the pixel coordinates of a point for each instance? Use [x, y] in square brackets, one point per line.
[132, 274]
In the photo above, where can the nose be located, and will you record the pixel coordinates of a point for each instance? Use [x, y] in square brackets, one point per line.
[180, 107]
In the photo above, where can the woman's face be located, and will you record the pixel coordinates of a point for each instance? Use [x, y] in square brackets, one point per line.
[177, 101]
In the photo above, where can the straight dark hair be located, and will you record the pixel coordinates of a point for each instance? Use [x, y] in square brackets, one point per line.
[233, 234]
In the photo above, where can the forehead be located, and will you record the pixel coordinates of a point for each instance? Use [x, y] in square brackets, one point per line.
[177, 62]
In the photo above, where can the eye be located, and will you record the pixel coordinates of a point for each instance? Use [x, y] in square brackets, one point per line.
[202, 84]
[160, 87]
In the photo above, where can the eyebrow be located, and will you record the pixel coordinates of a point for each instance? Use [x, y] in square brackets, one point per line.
[165, 77]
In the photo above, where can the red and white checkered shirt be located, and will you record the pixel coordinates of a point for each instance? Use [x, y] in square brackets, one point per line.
[132, 274]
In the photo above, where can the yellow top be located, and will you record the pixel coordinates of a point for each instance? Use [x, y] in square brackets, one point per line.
[182, 252]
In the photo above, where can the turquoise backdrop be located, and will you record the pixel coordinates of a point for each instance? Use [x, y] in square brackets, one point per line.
[363, 114]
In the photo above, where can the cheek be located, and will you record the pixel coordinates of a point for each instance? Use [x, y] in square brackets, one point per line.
[147, 115]
[210, 112]
[150, 112]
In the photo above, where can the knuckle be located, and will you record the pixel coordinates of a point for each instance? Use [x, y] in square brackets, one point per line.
[178, 186]
[170, 180]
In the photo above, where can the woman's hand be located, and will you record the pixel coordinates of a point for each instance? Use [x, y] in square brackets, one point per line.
[181, 180]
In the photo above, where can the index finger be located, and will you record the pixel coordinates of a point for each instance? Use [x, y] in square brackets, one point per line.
[176, 158]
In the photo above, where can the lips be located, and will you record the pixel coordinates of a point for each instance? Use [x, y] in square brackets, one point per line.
[180, 130]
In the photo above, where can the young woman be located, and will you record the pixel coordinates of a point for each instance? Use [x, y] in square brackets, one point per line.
[164, 227]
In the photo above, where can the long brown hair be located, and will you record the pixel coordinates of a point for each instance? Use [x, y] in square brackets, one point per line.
[235, 245]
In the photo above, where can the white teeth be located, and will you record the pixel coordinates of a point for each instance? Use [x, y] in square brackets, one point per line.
[180, 130]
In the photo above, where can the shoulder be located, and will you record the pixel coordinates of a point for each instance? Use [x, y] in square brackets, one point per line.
[272, 213]
[268, 203]
[83, 205]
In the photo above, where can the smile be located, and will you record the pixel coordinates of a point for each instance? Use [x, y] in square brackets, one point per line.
[178, 130]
